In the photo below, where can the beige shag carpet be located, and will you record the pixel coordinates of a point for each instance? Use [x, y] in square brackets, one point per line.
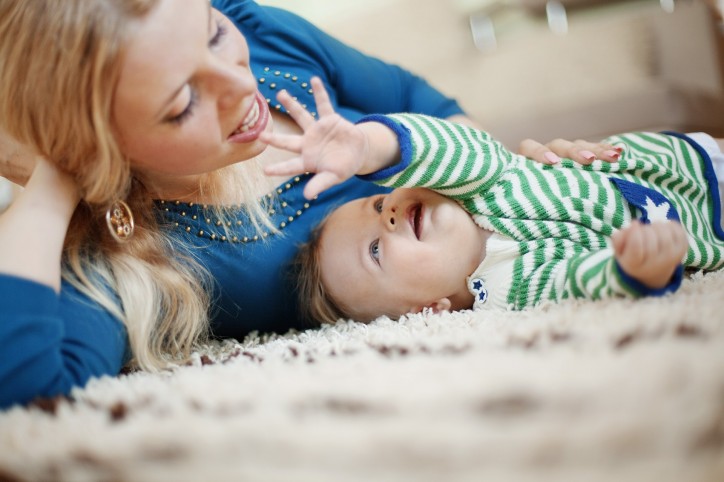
[597, 391]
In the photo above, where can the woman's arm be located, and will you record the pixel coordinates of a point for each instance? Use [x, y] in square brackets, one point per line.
[52, 337]
[33, 228]
[51, 342]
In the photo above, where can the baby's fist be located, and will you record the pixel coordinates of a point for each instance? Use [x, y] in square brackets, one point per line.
[650, 253]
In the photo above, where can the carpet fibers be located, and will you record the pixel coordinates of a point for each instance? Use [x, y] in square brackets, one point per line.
[616, 390]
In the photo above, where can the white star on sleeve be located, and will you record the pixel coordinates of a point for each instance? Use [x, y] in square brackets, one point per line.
[656, 212]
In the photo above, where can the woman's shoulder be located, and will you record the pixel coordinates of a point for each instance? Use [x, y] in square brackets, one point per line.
[250, 16]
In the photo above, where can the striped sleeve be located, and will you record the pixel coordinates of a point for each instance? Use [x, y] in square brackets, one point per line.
[455, 160]
[586, 274]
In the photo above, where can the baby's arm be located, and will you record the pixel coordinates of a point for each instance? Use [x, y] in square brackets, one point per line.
[332, 147]
[651, 253]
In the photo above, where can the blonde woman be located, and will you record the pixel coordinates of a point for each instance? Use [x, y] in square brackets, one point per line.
[140, 230]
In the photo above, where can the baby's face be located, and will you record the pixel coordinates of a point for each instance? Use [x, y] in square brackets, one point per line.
[399, 253]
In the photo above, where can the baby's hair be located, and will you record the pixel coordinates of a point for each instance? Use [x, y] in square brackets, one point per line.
[315, 302]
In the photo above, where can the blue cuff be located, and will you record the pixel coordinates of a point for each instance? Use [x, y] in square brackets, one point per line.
[643, 290]
[403, 138]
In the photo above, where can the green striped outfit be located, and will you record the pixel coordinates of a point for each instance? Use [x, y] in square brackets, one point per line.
[552, 224]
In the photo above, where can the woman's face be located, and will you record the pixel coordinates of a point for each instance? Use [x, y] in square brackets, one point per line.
[186, 101]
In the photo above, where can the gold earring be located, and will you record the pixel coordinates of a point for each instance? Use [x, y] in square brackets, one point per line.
[119, 219]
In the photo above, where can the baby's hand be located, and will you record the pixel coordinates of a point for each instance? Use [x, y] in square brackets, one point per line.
[331, 147]
[650, 253]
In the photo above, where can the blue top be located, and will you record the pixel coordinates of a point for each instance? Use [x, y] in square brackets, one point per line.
[51, 343]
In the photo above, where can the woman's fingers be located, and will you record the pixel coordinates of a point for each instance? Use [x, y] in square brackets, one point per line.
[580, 151]
[538, 152]
[16, 161]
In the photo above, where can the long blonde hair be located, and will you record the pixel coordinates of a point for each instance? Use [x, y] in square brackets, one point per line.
[59, 65]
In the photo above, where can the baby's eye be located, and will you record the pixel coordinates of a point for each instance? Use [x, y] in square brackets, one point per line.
[375, 250]
[378, 205]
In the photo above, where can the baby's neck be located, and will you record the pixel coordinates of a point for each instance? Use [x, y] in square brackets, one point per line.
[463, 299]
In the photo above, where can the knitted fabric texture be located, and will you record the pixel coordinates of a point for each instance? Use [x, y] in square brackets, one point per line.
[554, 223]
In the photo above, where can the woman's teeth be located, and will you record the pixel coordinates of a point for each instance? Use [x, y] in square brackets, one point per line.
[249, 120]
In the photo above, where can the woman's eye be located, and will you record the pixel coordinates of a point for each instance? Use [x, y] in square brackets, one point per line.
[375, 250]
[188, 110]
[220, 32]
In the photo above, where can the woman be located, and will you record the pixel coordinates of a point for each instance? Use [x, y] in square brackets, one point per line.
[151, 109]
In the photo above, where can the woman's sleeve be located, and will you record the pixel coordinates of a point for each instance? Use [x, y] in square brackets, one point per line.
[455, 160]
[359, 81]
[50, 343]
[371, 85]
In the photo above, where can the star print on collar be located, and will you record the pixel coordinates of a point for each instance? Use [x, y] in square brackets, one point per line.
[653, 205]
[477, 288]
[657, 212]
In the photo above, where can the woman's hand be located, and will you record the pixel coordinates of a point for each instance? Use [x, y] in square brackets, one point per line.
[16, 161]
[650, 253]
[332, 147]
[581, 151]
[33, 228]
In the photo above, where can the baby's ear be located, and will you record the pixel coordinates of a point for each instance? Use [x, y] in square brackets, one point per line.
[443, 304]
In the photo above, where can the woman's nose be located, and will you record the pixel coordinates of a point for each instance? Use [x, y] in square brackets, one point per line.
[234, 83]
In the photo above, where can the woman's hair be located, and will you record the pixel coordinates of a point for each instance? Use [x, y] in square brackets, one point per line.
[59, 65]
[315, 301]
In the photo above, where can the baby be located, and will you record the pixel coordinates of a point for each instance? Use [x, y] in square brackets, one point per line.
[472, 225]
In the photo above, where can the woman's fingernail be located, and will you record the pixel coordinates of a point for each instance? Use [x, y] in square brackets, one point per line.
[552, 158]
[588, 155]
[612, 154]
[618, 149]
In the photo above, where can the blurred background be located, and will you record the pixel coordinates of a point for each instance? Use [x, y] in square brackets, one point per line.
[546, 69]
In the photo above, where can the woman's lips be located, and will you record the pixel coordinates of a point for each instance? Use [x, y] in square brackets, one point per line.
[254, 122]
[414, 217]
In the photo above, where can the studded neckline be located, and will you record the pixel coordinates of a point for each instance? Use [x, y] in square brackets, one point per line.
[276, 80]
[195, 218]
